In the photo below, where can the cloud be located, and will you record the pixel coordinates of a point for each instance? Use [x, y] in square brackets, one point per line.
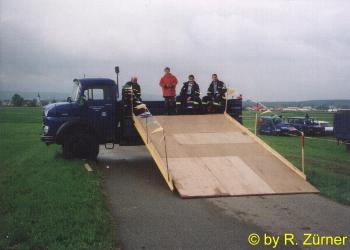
[271, 50]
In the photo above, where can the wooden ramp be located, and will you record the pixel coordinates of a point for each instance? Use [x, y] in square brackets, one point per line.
[214, 155]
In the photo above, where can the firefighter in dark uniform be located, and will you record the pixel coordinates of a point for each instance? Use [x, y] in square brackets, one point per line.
[215, 99]
[133, 86]
[131, 91]
[189, 96]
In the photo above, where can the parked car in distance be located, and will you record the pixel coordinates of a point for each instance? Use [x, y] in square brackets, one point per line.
[274, 125]
[328, 129]
[342, 127]
[307, 125]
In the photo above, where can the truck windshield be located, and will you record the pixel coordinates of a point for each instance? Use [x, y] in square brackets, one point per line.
[75, 91]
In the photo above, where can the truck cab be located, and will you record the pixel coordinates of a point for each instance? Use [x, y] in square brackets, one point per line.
[88, 118]
[93, 115]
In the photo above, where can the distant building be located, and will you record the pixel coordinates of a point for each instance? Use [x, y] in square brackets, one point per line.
[303, 109]
[291, 109]
[332, 109]
[307, 108]
[6, 103]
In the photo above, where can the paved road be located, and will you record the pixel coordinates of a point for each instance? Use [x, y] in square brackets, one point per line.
[149, 216]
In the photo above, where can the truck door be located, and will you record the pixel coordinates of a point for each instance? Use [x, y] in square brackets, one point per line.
[100, 109]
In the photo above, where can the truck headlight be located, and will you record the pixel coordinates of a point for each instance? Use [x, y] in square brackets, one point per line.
[46, 129]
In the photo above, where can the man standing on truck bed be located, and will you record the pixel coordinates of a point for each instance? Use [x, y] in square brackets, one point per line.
[168, 83]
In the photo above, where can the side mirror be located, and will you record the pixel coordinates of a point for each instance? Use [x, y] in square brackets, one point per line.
[69, 99]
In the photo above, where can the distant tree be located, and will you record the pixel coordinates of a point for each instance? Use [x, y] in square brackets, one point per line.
[53, 100]
[17, 100]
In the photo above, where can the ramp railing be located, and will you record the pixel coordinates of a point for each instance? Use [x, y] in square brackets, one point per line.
[154, 137]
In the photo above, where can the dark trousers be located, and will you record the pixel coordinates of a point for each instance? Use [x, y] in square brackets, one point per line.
[213, 104]
[169, 105]
[181, 103]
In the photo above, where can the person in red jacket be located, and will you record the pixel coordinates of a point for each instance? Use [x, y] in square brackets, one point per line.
[168, 83]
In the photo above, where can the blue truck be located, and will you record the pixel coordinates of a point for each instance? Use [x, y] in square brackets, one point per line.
[307, 125]
[342, 127]
[274, 125]
[96, 115]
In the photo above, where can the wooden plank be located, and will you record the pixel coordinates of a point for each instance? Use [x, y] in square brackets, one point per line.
[88, 167]
[154, 152]
[215, 176]
[212, 138]
[266, 146]
[236, 176]
[193, 179]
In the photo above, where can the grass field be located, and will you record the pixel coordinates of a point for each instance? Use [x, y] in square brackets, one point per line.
[46, 202]
[327, 165]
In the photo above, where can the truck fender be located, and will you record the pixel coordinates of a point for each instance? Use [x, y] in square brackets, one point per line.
[72, 125]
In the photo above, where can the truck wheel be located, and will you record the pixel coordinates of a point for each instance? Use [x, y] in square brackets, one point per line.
[80, 145]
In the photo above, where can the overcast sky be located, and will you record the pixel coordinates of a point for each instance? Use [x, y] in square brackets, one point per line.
[266, 50]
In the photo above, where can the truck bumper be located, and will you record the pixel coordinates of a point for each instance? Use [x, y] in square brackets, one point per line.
[47, 139]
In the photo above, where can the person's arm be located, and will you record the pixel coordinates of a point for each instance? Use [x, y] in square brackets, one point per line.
[183, 90]
[138, 90]
[210, 90]
[196, 90]
[174, 82]
[161, 82]
[223, 89]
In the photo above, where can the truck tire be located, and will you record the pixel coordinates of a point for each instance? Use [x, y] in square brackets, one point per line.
[80, 145]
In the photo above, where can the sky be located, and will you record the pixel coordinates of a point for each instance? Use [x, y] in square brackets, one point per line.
[265, 50]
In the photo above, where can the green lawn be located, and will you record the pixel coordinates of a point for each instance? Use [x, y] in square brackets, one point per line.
[46, 202]
[327, 165]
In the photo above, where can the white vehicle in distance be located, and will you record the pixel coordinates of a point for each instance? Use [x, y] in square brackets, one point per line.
[328, 129]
